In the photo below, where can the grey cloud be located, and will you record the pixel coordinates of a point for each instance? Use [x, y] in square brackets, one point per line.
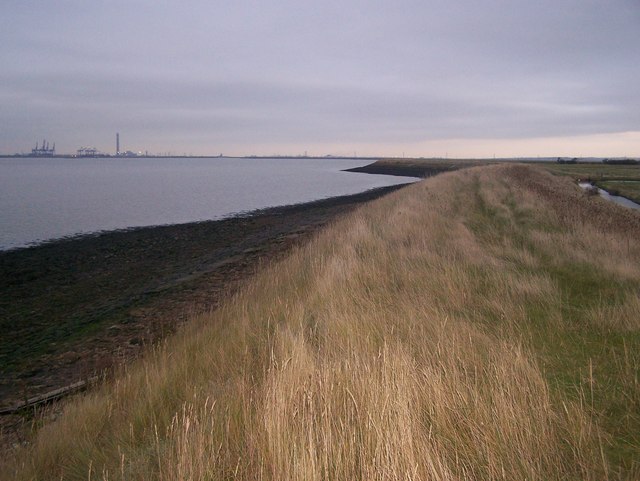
[294, 72]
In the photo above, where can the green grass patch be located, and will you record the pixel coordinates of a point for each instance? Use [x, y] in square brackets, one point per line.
[488, 222]
[590, 364]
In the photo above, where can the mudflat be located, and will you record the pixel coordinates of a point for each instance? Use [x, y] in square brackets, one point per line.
[75, 308]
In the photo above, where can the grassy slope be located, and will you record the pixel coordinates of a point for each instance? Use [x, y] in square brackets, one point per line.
[481, 324]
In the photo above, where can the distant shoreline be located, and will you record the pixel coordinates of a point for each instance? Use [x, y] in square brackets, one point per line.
[444, 160]
[108, 156]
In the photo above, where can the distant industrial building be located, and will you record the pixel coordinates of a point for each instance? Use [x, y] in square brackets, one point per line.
[127, 153]
[44, 150]
[89, 152]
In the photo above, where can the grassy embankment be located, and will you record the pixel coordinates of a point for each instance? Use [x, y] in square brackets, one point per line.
[419, 167]
[481, 324]
[621, 180]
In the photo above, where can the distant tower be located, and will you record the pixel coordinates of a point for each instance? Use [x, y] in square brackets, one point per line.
[117, 143]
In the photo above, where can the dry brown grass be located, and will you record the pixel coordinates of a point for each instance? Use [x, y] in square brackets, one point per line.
[430, 335]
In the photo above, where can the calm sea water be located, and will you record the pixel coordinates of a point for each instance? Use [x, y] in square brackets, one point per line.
[43, 199]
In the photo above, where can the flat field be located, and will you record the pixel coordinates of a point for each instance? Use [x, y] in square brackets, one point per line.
[596, 172]
[481, 324]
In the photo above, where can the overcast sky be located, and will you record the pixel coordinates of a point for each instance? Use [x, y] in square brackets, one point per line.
[423, 77]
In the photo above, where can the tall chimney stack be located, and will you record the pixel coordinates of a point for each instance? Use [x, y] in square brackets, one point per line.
[117, 143]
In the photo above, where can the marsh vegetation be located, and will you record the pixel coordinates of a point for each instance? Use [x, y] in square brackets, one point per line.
[617, 179]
